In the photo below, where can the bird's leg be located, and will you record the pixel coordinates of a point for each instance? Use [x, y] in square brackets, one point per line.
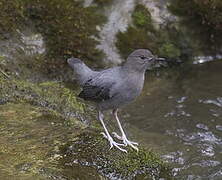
[107, 135]
[123, 137]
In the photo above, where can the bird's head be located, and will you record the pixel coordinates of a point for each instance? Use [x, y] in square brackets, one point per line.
[142, 59]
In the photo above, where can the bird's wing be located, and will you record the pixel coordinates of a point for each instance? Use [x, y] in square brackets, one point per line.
[97, 88]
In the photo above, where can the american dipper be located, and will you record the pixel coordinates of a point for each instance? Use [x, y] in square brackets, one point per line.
[114, 87]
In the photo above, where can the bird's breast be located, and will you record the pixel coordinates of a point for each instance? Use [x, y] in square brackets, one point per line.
[131, 87]
[123, 92]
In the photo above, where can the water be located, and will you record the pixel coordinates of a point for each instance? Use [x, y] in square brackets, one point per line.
[203, 59]
[179, 114]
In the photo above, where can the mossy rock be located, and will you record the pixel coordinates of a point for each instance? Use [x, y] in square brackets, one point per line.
[135, 38]
[50, 95]
[142, 17]
[103, 2]
[11, 17]
[67, 27]
[91, 149]
[202, 20]
[167, 41]
[38, 109]
[30, 141]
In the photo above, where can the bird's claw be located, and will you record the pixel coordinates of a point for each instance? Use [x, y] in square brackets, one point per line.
[126, 141]
[104, 135]
[117, 145]
[132, 144]
[113, 143]
[117, 136]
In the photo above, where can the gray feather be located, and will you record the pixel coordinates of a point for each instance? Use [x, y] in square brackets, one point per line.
[98, 87]
[82, 71]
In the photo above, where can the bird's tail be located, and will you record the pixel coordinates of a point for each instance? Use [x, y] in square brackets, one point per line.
[83, 72]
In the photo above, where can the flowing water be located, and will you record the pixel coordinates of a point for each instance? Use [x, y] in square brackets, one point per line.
[179, 114]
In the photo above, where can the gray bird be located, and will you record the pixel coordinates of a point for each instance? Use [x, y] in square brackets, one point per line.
[115, 87]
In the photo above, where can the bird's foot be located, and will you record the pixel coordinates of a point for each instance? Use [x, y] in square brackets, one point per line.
[113, 143]
[126, 141]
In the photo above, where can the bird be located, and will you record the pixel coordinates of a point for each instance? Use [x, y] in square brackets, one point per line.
[115, 87]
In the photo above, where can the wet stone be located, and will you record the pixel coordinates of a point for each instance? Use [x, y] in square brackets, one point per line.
[23, 167]
[92, 150]
[3, 101]
[219, 127]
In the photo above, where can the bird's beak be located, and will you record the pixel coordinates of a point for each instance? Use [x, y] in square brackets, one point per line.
[160, 61]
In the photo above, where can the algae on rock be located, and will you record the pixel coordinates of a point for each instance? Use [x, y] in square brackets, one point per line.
[67, 28]
[90, 149]
[30, 141]
[50, 94]
[202, 20]
[143, 34]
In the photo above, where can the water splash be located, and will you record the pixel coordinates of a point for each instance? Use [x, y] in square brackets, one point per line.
[217, 102]
[204, 59]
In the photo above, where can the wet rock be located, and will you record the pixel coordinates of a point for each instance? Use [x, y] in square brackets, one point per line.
[203, 30]
[90, 149]
[165, 41]
[50, 95]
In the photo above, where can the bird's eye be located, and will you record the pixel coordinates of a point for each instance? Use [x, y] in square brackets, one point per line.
[142, 57]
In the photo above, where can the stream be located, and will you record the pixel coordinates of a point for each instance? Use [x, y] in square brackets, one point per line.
[180, 115]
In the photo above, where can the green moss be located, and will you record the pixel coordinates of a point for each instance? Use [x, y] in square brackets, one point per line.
[169, 50]
[133, 39]
[67, 27]
[103, 2]
[167, 41]
[142, 34]
[17, 154]
[142, 18]
[1, 60]
[92, 149]
[11, 17]
[51, 95]
[58, 94]
[202, 20]
[30, 139]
